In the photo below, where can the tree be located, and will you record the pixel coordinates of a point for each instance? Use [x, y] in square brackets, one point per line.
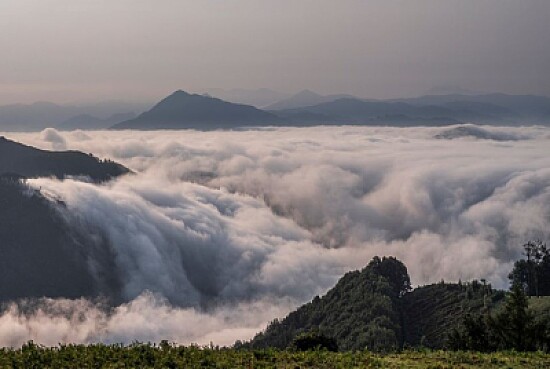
[475, 334]
[533, 273]
[394, 271]
[515, 323]
[513, 328]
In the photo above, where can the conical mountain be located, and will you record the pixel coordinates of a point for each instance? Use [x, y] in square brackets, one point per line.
[182, 110]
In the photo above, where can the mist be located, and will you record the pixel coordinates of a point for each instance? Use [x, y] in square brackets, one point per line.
[90, 50]
[213, 226]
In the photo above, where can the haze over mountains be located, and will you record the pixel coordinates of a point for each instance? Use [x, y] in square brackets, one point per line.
[183, 110]
[304, 98]
[41, 115]
[259, 98]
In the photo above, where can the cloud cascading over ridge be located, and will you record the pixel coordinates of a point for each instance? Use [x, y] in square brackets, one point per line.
[213, 220]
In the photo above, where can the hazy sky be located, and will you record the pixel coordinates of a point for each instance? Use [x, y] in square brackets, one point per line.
[75, 50]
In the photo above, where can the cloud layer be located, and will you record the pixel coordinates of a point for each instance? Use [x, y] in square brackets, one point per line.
[217, 220]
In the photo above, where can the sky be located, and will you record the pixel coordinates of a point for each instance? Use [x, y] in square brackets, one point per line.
[141, 50]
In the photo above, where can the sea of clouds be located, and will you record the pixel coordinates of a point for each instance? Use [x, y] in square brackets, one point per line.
[217, 233]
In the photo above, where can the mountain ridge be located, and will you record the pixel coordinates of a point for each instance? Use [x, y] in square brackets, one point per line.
[27, 161]
[303, 99]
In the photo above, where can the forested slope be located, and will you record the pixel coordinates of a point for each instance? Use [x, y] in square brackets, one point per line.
[375, 308]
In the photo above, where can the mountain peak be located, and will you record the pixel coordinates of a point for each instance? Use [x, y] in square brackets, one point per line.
[180, 93]
[182, 110]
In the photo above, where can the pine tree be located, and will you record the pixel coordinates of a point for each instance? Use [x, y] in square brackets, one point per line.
[515, 322]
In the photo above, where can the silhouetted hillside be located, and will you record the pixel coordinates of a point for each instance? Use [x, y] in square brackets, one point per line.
[375, 309]
[42, 254]
[28, 161]
[44, 251]
[182, 110]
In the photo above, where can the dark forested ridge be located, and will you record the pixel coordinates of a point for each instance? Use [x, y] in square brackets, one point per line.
[42, 253]
[43, 249]
[375, 308]
[26, 161]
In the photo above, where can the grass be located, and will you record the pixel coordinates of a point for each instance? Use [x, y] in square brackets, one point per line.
[168, 356]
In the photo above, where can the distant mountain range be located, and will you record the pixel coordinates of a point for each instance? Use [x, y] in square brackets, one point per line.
[89, 122]
[360, 112]
[182, 110]
[305, 98]
[41, 115]
[45, 251]
[427, 110]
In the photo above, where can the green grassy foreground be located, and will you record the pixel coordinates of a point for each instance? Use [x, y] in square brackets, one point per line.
[167, 356]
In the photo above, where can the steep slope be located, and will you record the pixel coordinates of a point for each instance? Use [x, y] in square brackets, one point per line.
[42, 254]
[28, 161]
[375, 309]
[182, 110]
[44, 251]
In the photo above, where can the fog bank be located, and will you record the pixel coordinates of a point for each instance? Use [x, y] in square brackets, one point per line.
[272, 217]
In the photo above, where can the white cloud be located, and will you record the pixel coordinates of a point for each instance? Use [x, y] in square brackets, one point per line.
[218, 218]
